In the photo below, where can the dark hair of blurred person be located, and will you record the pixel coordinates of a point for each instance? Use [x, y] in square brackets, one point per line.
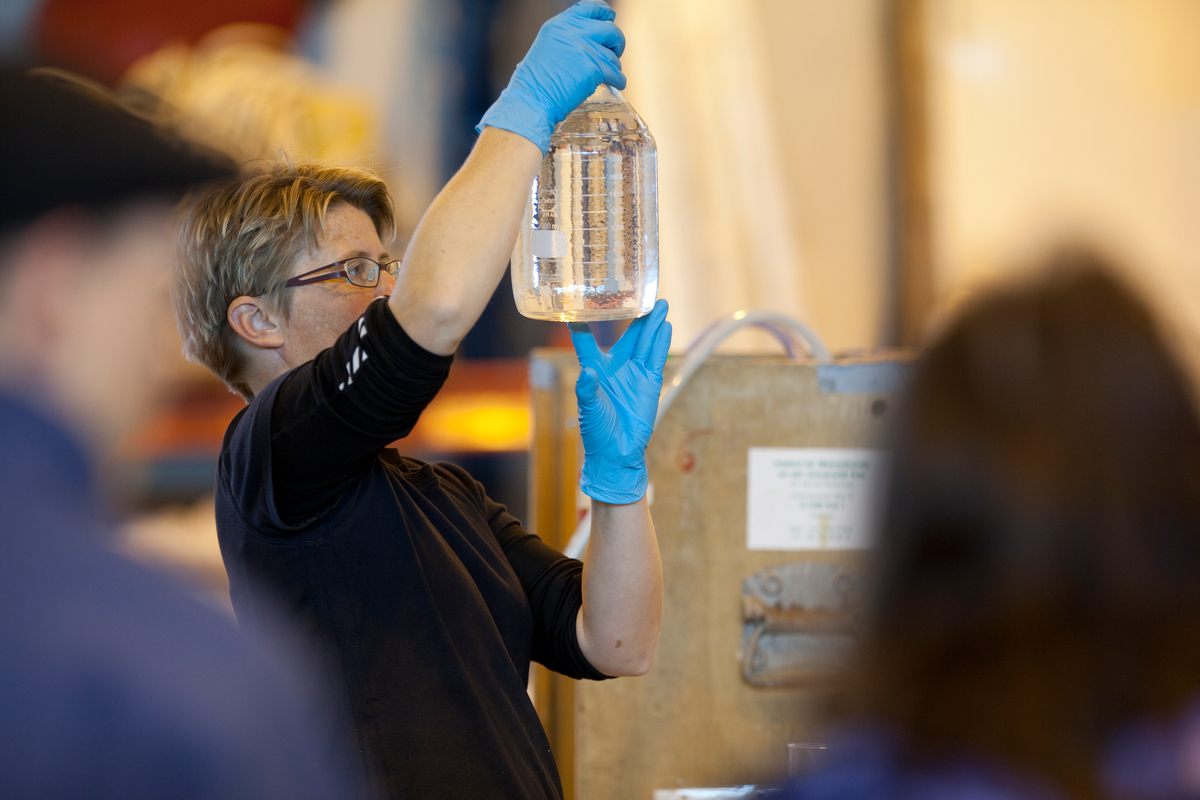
[113, 683]
[1035, 621]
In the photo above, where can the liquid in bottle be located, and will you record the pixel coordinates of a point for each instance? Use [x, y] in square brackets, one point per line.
[587, 247]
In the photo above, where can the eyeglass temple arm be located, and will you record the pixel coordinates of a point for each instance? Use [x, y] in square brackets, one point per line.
[303, 280]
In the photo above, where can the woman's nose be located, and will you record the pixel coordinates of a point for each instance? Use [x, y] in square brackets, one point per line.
[386, 284]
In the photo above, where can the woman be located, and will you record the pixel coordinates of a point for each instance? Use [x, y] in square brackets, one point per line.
[1036, 609]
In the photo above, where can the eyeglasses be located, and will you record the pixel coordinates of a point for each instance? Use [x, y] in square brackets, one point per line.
[359, 271]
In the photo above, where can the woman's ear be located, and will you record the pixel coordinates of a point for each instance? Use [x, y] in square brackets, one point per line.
[255, 323]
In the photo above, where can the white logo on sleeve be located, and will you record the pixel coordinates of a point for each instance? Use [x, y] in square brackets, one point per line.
[358, 358]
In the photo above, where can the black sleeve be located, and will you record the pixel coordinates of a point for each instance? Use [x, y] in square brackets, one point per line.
[554, 585]
[333, 415]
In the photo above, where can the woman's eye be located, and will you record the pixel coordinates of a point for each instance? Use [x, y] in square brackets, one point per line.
[360, 270]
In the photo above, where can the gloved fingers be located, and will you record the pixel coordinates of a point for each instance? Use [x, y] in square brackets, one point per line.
[586, 349]
[653, 323]
[591, 9]
[616, 80]
[627, 344]
[604, 33]
[598, 419]
[605, 67]
[587, 389]
[609, 65]
[659, 349]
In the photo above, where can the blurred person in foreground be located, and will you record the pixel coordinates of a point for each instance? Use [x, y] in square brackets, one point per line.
[431, 597]
[113, 683]
[1035, 625]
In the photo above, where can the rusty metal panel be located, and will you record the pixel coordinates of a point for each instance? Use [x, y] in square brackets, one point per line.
[802, 619]
[701, 717]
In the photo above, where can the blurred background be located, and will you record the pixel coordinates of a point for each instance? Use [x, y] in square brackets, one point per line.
[862, 165]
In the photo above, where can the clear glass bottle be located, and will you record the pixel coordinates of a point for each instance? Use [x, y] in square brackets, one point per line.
[587, 248]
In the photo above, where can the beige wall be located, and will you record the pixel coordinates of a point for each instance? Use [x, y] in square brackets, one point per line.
[1055, 118]
[1050, 119]
[769, 120]
[825, 78]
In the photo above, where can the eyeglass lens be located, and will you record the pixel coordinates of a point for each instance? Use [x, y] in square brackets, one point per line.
[362, 272]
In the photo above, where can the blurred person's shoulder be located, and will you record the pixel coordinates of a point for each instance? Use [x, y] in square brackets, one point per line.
[1157, 757]
[111, 676]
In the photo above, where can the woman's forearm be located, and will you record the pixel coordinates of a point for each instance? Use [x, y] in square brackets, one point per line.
[622, 590]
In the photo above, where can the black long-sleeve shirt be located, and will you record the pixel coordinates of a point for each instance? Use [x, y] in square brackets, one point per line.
[431, 598]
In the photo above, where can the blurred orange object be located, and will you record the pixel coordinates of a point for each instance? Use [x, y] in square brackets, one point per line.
[491, 422]
[483, 408]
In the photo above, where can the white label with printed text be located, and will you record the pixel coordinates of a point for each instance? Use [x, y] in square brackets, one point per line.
[548, 244]
[812, 498]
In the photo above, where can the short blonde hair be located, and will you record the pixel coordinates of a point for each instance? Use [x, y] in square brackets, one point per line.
[242, 237]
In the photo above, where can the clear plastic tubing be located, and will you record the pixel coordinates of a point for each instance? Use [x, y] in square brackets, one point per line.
[587, 247]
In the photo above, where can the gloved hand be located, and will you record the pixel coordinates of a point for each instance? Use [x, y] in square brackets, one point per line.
[573, 53]
[618, 399]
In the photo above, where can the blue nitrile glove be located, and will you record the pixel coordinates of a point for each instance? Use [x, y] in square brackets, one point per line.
[618, 399]
[573, 53]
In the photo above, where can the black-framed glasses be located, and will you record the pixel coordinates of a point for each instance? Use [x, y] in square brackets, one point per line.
[359, 271]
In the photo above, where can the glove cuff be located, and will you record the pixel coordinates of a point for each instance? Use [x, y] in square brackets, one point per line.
[617, 485]
[514, 112]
